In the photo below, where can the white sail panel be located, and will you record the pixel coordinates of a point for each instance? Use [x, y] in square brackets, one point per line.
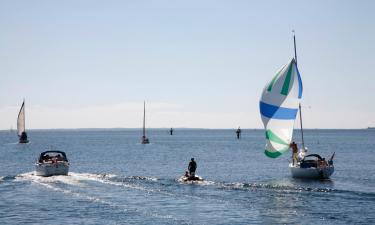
[279, 107]
[21, 120]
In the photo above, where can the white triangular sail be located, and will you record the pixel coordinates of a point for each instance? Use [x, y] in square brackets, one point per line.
[21, 120]
[278, 108]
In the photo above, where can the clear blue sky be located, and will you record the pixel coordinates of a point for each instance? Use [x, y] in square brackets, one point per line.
[196, 63]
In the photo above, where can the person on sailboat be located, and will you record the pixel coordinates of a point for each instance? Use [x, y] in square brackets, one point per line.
[23, 136]
[302, 153]
[192, 167]
[322, 163]
[294, 148]
[238, 132]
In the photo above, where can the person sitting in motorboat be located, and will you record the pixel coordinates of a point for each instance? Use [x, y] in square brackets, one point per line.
[59, 158]
[47, 158]
[192, 167]
[186, 174]
[294, 148]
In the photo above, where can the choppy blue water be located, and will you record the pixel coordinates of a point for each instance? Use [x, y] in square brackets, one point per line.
[115, 180]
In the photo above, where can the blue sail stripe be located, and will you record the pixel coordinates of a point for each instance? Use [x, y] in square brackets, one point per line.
[300, 87]
[276, 112]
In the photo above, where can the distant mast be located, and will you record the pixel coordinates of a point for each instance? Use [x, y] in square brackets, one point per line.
[299, 106]
[144, 119]
[144, 138]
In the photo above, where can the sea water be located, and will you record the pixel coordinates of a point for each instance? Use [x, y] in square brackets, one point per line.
[114, 179]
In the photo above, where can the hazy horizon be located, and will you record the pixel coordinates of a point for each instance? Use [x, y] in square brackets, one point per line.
[88, 64]
[176, 128]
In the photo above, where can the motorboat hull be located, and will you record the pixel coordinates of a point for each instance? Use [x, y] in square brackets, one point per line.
[311, 172]
[51, 169]
[190, 179]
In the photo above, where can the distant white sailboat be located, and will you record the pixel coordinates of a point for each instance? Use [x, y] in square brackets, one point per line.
[145, 140]
[21, 131]
[279, 106]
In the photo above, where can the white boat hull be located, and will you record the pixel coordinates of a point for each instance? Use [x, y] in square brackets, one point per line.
[312, 172]
[51, 169]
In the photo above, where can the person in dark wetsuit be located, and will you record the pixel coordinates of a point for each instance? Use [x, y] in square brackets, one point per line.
[192, 167]
[171, 131]
[23, 136]
[238, 132]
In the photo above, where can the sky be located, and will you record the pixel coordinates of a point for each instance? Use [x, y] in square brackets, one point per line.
[197, 64]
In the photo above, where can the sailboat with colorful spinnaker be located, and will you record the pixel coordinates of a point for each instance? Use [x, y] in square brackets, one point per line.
[279, 105]
[21, 130]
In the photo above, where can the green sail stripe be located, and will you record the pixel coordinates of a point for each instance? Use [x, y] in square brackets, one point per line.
[285, 89]
[273, 137]
[273, 154]
[274, 79]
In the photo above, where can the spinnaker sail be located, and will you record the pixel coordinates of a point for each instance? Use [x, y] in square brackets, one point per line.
[278, 108]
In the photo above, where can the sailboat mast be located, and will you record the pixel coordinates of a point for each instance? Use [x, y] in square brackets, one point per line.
[300, 109]
[24, 116]
[295, 48]
[300, 116]
[144, 118]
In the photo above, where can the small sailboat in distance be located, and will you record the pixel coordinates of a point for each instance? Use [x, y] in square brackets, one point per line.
[279, 105]
[21, 131]
[145, 140]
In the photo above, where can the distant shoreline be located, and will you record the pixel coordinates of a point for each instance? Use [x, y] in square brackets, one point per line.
[175, 128]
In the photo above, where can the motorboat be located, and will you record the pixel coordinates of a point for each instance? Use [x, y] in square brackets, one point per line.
[312, 166]
[51, 163]
[193, 178]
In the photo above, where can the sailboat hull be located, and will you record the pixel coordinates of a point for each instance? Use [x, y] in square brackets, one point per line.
[311, 172]
[145, 141]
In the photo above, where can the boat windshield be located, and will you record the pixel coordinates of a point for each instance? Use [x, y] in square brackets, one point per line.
[52, 156]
